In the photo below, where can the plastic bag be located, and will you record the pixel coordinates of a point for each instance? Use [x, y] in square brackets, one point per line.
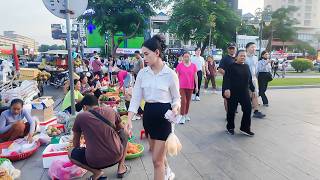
[173, 145]
[64, 170]
[62, 117]
[171, 117]
[8, 167]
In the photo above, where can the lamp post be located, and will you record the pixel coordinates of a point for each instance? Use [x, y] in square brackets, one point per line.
[263, 18]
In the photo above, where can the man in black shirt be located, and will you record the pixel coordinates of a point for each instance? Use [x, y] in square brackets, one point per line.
[224, 66]
[237, 82]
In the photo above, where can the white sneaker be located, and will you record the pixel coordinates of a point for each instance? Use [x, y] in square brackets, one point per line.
[193, 97]
[187, 118]
[215, 92]
[169, 174]
[197, 98]
[182, 120]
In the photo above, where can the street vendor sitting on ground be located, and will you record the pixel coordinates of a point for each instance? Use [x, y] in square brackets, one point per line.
[66, 104]
[12, 124]
[104, 147]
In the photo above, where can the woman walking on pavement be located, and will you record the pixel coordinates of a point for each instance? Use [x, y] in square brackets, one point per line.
[187, 73]
[264, 76]
[238, 81]
[158, 85]
[200, 63]
[211, 72]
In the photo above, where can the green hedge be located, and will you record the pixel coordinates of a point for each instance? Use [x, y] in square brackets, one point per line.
[301, 64]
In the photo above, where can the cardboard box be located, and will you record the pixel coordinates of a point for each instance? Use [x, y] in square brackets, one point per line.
[54, 152]
[43, 114]
[42, 108]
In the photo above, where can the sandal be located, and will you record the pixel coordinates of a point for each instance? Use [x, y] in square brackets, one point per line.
[121, 175]
[100, 178]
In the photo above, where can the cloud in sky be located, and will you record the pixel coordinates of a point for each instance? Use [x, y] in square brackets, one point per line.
[32, 19]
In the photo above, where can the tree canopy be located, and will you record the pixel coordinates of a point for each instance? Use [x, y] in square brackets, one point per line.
[193, 19]
[122, 16]
[45, 47]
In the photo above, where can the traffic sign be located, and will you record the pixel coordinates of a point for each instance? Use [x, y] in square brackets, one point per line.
[58, 8]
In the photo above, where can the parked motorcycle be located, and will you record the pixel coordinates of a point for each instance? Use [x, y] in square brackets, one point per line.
[59, 78]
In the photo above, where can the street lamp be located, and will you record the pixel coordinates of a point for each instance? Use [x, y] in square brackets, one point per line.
[263, 18]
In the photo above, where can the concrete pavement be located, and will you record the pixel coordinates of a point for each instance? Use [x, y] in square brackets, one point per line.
[286, 144]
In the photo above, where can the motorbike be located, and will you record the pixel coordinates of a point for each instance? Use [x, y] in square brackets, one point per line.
[58, 79]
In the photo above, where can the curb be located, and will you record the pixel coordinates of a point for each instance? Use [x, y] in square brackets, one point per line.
[294, 87]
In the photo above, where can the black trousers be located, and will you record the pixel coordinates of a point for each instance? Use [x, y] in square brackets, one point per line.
[245, 102]
[199, 73]
[263, 86]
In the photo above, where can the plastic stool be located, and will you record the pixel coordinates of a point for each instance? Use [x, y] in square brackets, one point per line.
[142, 132]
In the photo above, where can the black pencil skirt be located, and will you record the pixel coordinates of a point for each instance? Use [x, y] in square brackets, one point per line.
[154, 121]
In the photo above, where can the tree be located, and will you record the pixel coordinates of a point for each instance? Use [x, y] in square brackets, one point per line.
[302, 46]
[122, 16]
[246, 29]
[192, 20]
[45, 47]
[282, 25]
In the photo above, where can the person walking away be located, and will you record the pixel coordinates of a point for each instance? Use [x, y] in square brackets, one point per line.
[224, 65]
[12, 124]
[238, 81]
[200, 63]
[92, 59]
[97, 66]
[275, 68]
[211, 73]
[119, 63]
[187, 74]
[252, 62]
[158, 85]
[264, 76]
[105, 136]
[138, 64]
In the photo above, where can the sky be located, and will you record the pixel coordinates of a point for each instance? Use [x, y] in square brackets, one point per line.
[30, 18]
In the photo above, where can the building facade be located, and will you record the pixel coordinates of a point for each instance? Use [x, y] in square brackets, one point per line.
[10, 37]
[308, 17]
[158, 21]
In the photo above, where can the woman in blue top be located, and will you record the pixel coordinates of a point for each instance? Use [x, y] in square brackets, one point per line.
[12, 124]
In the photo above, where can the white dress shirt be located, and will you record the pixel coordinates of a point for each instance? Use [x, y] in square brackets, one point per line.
[199, 62]
[252, 62]
[155, 88]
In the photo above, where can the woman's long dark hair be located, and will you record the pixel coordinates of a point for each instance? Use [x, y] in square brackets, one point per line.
[157, 42]
[262, 54]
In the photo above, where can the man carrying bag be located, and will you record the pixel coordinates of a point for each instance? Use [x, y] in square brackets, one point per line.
[106, 140]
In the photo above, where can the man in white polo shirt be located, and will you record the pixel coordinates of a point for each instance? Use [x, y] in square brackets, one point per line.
[200, 63]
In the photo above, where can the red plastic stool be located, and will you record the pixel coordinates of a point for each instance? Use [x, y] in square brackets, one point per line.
[142, 132]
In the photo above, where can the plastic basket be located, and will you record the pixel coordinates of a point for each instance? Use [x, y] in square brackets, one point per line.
[139, 154]
[20, 156]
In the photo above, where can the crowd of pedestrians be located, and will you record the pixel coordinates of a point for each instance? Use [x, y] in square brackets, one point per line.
[245, 79]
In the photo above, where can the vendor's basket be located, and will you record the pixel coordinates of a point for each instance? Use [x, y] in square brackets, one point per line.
[19, 156]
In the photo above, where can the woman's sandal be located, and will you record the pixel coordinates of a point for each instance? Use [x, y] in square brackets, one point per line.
[121, 175]
[100, 178]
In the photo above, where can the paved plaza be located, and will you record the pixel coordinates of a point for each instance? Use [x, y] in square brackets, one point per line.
[286, 145]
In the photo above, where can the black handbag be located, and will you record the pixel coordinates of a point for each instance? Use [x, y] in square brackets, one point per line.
[123, 136]
[269, 77]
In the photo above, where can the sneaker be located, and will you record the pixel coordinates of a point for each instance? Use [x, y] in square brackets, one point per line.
[182, 120]
[193, 97]
[187, 118]
[215, 92]
[197, 98]
[266, 105]
[230, 131]
[247, 133]
[258, 114]
[169, 174]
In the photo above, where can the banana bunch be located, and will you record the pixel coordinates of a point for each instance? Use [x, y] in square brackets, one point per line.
[77, 63]
[42, 65]
[43, 76]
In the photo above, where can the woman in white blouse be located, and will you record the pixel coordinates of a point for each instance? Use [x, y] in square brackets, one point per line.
[158, 85]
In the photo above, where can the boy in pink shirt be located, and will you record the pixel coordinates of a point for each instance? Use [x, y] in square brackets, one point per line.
[188, 78]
